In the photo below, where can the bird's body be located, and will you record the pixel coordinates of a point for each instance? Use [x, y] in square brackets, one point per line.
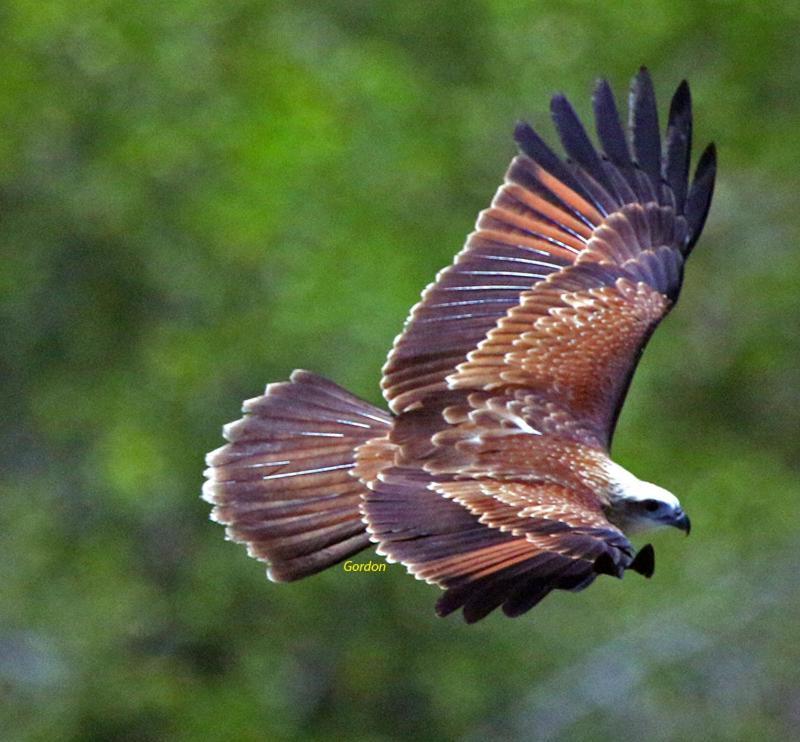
[492, 477]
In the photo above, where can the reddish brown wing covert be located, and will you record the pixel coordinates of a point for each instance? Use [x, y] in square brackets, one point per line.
[574, 339]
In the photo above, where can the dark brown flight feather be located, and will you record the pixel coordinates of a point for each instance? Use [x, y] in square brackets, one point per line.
[491, 476]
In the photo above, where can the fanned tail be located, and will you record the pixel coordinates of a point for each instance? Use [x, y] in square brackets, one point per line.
[283, 484]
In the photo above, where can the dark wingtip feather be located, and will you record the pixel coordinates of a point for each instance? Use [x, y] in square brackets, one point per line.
[644, 125]
[523, 132]
[645, 561]
[699, 199]
[608, 125]
[605, 565]
[679, 144]
[521, 603]
[532, 145]
[682, 99]
[575, 140]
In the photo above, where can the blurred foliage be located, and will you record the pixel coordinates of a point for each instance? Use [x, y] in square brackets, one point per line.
[197, 197]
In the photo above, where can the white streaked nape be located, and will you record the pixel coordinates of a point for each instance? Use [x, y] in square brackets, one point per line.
[627, 486]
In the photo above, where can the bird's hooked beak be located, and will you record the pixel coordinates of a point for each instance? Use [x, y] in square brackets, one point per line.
[682, 521]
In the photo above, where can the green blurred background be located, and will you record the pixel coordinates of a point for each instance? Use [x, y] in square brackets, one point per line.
[197, 197]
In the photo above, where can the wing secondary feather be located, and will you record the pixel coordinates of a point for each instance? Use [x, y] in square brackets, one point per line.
[492, 544]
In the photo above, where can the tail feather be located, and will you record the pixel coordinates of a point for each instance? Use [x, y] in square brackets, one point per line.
[283, 484]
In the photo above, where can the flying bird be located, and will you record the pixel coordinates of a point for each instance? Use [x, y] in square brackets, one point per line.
[491, 475]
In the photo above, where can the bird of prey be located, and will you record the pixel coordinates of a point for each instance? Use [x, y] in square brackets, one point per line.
[491, 475]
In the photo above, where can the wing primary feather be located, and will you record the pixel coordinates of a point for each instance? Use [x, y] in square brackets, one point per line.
[557, 221]
[525, 597]
[605, 565]
[699, 199]
[608, 125]
[624, 182]
[576, 142]
[679, 144]
[531, 144]
[645, 561]
[599, 193]
[644, 125]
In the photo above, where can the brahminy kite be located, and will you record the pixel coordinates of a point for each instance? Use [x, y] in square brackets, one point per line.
[491, 475]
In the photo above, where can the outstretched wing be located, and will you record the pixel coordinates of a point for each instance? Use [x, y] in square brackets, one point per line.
[571, 268]
[490, 543]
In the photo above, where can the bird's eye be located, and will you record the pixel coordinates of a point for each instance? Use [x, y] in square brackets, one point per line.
[651, 505]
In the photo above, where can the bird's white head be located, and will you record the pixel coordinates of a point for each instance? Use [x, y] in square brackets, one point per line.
[635, 505]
